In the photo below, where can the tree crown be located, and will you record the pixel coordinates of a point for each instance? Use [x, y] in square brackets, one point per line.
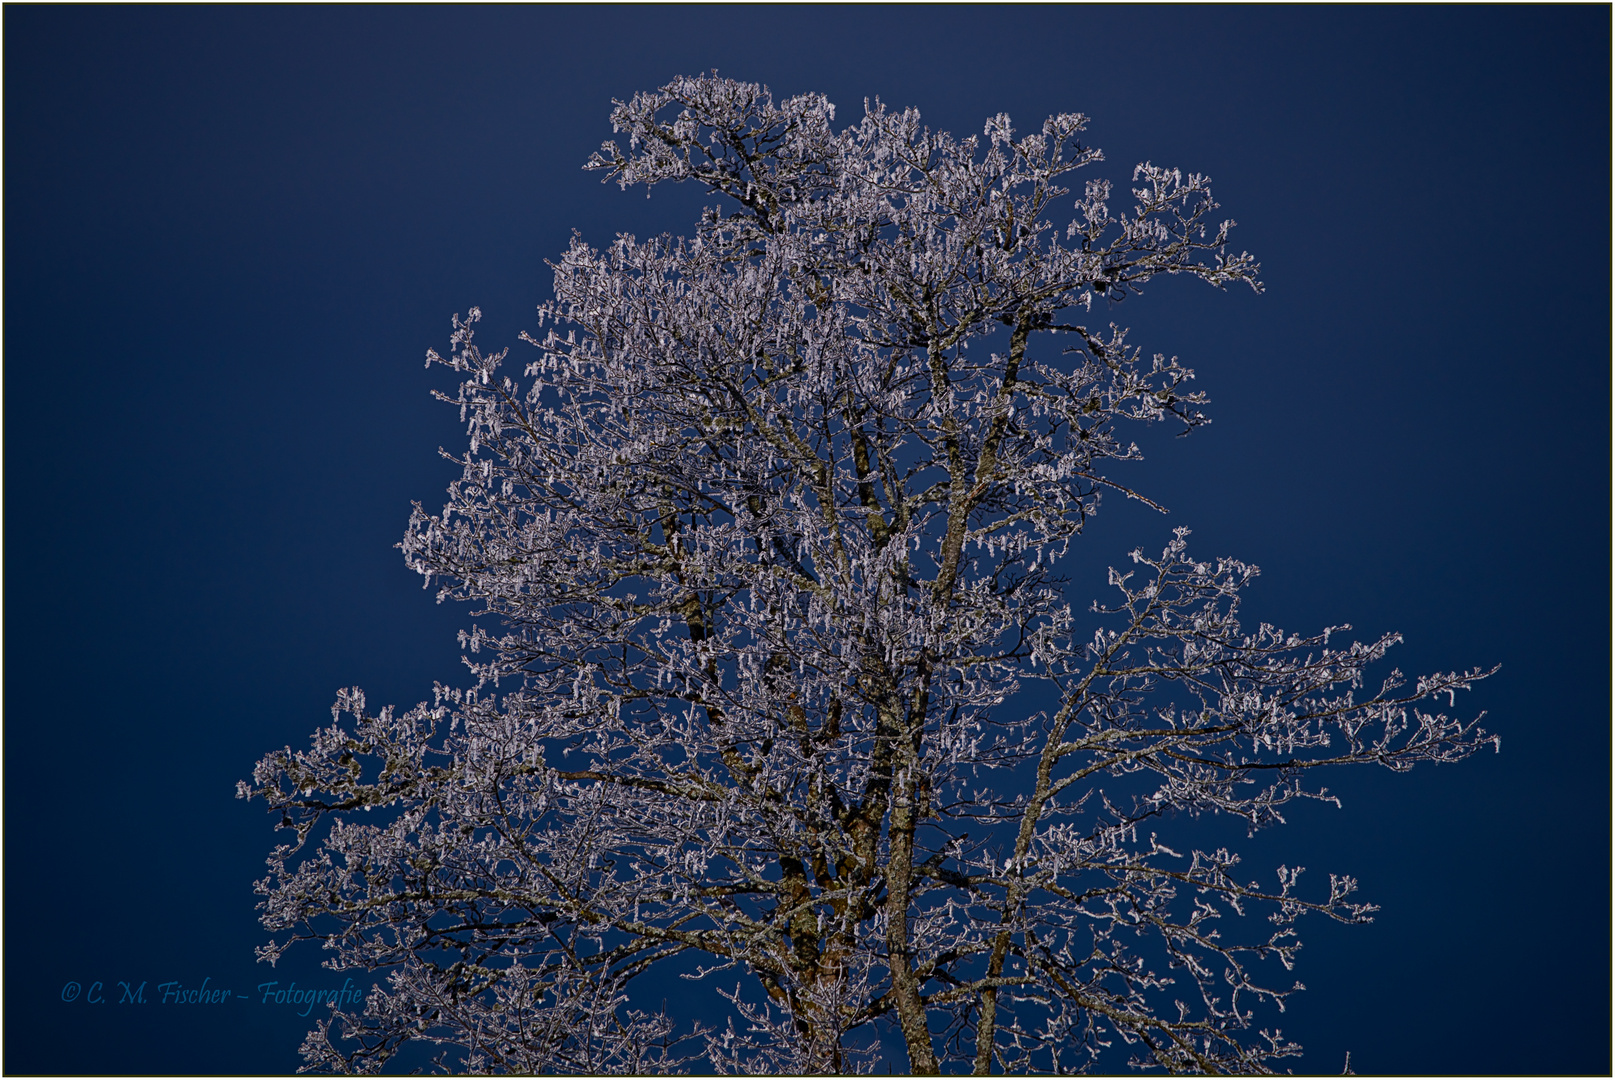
[786, 685]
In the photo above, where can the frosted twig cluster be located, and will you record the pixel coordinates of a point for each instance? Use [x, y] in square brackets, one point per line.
[776, 686]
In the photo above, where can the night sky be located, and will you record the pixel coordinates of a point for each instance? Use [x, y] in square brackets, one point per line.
[232, 234]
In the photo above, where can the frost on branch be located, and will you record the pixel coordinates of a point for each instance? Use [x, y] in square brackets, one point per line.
[760, 544]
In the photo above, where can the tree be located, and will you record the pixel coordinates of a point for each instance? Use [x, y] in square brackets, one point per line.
[787, 695]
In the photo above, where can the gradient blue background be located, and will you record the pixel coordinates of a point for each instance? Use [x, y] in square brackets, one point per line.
[231, 235]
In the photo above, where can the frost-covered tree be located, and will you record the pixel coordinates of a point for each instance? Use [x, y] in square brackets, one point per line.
[779, 690]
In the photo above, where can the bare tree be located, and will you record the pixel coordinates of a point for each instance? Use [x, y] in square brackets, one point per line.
[785, 694]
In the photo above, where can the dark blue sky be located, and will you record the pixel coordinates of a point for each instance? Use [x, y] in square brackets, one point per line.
[231, 235]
